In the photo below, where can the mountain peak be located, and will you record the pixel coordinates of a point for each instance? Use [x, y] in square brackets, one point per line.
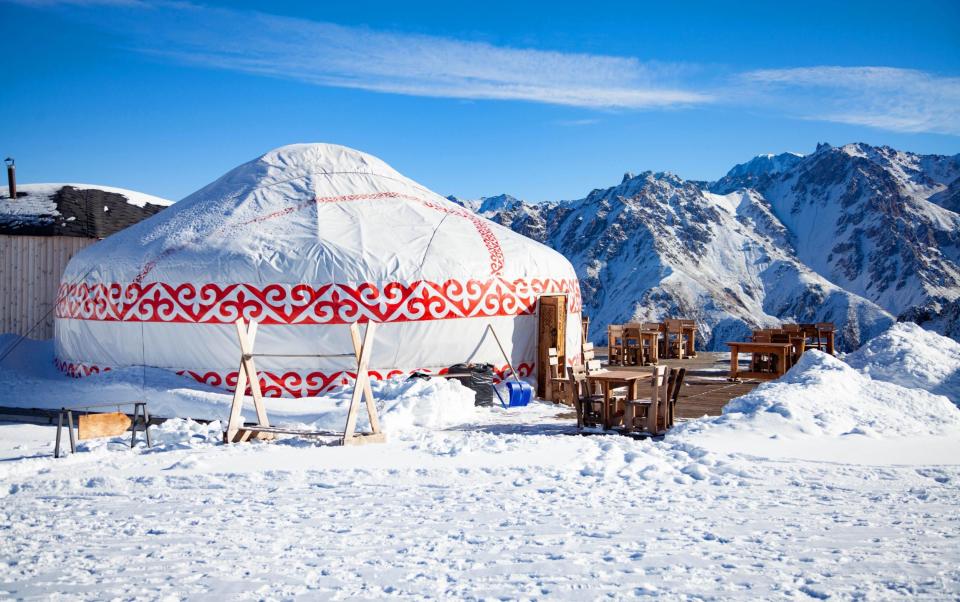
[768, 164]
[498, 202]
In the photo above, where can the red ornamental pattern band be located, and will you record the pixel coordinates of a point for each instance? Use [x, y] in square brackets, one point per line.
[309, 304]
[291, 384]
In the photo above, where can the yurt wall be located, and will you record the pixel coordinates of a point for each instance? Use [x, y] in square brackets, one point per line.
[30, 271]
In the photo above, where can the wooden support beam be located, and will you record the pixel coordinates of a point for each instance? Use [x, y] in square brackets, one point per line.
[361, 385]
[237, 431]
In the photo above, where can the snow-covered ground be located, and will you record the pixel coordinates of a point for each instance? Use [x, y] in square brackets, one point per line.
[827, 483]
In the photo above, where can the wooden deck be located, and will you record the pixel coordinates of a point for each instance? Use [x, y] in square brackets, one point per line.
[706, 389]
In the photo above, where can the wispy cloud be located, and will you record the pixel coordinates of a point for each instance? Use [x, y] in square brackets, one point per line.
[577, 122]
[327, 54]
[904, 100]
[400, 63]
[82, 3]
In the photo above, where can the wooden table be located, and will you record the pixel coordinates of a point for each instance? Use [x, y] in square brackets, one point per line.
[611, 379]
[783, 352]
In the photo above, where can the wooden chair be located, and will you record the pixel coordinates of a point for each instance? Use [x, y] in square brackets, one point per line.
[825, 332]
[637, 410]
[590, 362]
[673, 339]
[674, 384]
[588, 407]
[799, 346]
[809, 332]
[631, 344]
[761, 362]
[779, 336]
[691, 339]
[615, 345]
[590, 366]
[557, 382]
[670, 392]
[646, 349]
[790, 327]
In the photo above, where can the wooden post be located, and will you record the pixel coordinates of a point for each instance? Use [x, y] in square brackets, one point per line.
[11, 178]
[653, 414]
[358, 348]
[246, 373]
[361, 388]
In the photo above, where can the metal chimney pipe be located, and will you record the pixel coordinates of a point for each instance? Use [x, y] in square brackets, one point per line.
[12, 177]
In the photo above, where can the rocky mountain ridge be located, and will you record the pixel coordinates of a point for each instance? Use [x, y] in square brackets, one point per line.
[858, 235]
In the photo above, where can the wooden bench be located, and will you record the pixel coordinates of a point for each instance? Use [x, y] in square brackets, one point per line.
[91, 425]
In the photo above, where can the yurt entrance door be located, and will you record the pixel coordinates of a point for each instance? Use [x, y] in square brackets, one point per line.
[552, 332]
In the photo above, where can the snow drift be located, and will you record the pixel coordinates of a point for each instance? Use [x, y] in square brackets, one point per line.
[914, 357]
[823, 396]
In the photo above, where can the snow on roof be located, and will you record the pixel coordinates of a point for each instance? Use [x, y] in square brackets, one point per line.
[322, 212]
[85, 210]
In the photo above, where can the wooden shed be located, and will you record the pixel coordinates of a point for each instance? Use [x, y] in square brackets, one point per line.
[41, 230]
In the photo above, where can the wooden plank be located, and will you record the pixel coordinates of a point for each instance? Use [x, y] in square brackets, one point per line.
[279, 430]
[362, 381]
[237, 432]
[111, 424]
[364, 438]
[5, 252]
[30, 271]
[367, 391]
[246, 349]
[247, 336]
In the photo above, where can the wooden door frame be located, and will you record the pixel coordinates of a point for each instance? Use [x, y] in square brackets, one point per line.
[542, 368]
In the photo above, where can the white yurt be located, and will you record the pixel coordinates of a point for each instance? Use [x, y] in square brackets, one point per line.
[305, 240]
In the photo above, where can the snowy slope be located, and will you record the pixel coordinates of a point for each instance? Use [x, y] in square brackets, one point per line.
[857, 235]
[825, 484]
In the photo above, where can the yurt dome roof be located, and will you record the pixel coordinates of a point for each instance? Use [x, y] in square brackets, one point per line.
[316, 212]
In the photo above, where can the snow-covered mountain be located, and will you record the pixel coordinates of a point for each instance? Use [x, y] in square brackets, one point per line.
[857, 235]
[878, 222]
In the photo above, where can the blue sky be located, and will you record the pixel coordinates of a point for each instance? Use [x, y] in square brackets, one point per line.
[540, 101]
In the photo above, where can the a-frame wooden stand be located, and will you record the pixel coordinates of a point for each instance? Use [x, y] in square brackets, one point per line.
[247, 374]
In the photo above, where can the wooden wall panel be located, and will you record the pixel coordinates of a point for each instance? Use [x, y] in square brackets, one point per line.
[30, 271]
